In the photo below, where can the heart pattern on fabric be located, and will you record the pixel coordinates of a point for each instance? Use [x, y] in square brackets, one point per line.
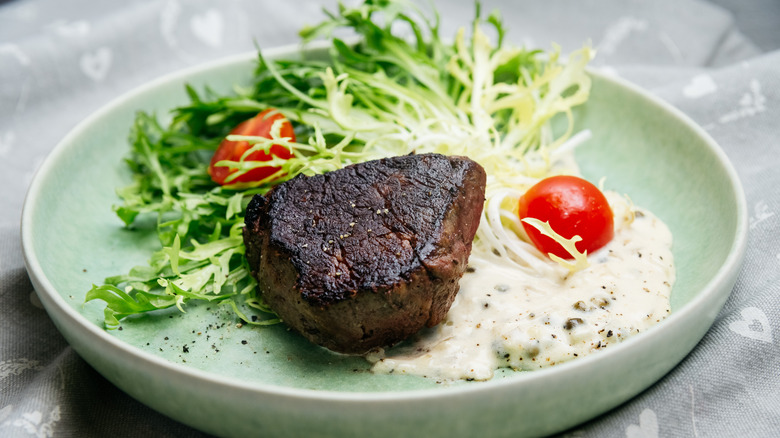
[5, 412]
[14, 51]
[14, 367]
[753, 325]
[620, 31]
[71, 29]
[647, 428]
[33, 417]
[33, 424]
[700, 85]
[95, 65]
[761, 212]
[751, 103]
[6, 142]
[207, 27]
[169, 17]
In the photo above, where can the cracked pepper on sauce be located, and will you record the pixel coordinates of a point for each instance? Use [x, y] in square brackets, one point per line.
[504, 318]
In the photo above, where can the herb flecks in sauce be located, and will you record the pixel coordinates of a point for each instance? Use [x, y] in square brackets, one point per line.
[545, 320]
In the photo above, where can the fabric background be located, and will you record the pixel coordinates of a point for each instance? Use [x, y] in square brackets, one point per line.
[717, 61]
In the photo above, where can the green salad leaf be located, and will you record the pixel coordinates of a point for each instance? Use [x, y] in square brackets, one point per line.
[400, 88]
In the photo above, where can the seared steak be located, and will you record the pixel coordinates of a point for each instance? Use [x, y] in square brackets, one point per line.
[365, 256]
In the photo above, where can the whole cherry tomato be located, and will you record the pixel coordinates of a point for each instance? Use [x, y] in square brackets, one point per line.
[572, 206]
[259, 125]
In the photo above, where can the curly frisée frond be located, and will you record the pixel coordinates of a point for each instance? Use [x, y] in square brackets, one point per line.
[399, 89]
[580, 258]
[394, 96]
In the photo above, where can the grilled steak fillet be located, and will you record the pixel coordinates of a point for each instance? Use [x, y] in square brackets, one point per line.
[367, 255]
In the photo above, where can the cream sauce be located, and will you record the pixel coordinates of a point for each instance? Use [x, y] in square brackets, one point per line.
[504, 317]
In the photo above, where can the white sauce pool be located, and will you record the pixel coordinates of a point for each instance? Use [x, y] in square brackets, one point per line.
[502, 317]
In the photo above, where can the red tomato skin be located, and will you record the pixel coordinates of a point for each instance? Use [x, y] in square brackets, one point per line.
[572, 206]
[259, 125]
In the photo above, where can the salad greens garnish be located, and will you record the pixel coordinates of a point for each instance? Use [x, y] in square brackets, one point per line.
[399, 88]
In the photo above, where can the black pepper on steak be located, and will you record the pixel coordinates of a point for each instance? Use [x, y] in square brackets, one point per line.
[366, 256]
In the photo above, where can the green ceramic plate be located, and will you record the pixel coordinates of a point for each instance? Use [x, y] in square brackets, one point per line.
[202, 370]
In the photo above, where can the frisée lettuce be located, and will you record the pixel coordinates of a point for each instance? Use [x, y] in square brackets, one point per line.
[399, 89]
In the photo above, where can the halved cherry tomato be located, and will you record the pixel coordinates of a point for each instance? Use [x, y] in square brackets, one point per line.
[572, 206]
[259, 125]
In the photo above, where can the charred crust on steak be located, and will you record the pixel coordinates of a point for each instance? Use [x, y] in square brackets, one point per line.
[367, 255]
